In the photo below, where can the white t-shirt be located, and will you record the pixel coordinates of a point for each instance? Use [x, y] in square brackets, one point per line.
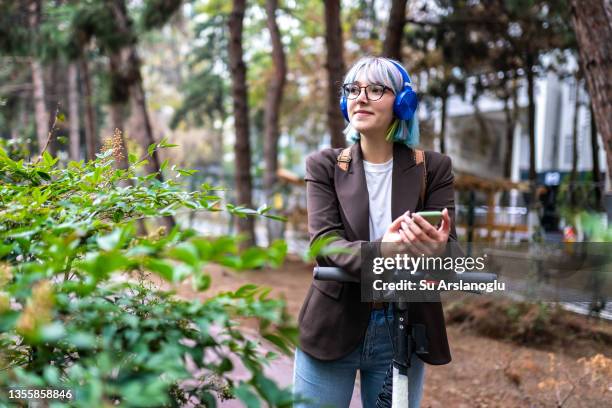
[378, 179]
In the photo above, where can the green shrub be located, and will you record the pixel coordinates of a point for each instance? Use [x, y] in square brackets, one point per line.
[78, 311]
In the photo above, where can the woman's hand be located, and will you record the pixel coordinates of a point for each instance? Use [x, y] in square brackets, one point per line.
[423, 237]
[392, 236]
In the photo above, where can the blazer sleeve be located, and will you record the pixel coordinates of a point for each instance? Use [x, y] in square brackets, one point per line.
[324, 218]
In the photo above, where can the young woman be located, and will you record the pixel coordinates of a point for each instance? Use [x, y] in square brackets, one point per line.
[371, 197]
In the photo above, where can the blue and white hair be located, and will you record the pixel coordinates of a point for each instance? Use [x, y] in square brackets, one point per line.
[380, 70]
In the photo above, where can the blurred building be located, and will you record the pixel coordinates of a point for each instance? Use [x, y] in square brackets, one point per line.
[477, 145]
[476, 141]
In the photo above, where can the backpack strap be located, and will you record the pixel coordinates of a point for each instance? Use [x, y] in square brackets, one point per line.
[344, 159]
[419, 157]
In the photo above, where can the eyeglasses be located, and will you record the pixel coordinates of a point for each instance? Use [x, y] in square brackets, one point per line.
[373, 92]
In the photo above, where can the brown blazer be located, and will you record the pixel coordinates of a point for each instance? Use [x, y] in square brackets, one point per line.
[333, 320]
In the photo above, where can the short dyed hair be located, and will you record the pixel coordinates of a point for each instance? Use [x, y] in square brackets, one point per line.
[380, 70]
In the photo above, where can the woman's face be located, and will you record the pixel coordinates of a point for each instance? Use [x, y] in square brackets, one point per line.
[370, 117]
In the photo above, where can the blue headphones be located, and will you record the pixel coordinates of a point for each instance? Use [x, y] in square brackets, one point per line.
[406, 100]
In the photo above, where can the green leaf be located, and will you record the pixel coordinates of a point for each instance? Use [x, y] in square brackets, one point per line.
[52, 375]
[164, 143]
[151, 148]
[225, 366]
[185, 172]
[246, 290]
[52, 332]
[262, 209]
[100, 265]
[270, 391]
[161, 268]
[48, 160]
[247, 396]
[279, 342]
[43, 175]
[201, 282]
[110, 241]
[185, 252]
[323, 247]
[253, 258]
[82, 340]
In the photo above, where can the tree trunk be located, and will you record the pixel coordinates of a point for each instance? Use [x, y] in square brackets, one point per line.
[392, 46]
[242, 147]
[130, 78]
[272, 110]
[592, 21]
[574, 172]
[40, 110]
[534, 221]
[335, 70]
[38, 83]
[73, 107]
[91, 145]
[595, 159]
[531, 124]
[511, 121]
[143, 129]
[443, 115]
[129, 85]
[119, 98]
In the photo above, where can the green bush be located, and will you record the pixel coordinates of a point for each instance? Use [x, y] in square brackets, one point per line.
[78, 310]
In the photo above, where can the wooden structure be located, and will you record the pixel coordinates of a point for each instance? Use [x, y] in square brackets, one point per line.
[289, 177]
[490, 186]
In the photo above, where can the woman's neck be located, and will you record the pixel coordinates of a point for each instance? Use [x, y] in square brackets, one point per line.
[376, 150]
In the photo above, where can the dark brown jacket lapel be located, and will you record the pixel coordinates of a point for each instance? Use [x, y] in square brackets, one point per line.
[407, 179]
[353, 194]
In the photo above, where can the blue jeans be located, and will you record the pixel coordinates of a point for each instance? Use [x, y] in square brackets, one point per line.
[330, 383]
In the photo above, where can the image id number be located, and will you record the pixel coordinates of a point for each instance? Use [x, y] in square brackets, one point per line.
[39, 394]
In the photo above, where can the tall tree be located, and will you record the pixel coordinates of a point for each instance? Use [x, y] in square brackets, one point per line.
[273, 103]
[118, 96]
[511, 113]
[335, 71]
[574, 172]
[38, 83]
[530, 74]
[73, 111]
[90, 116]
[129, 63]
[595, 159]
[242, 146]
[125, 67]
[392, 46]
[592, 21]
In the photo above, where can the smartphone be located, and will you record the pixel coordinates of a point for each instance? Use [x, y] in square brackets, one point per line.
[432, 217]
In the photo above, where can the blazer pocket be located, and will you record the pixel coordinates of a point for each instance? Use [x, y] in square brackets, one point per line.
[330, 288]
